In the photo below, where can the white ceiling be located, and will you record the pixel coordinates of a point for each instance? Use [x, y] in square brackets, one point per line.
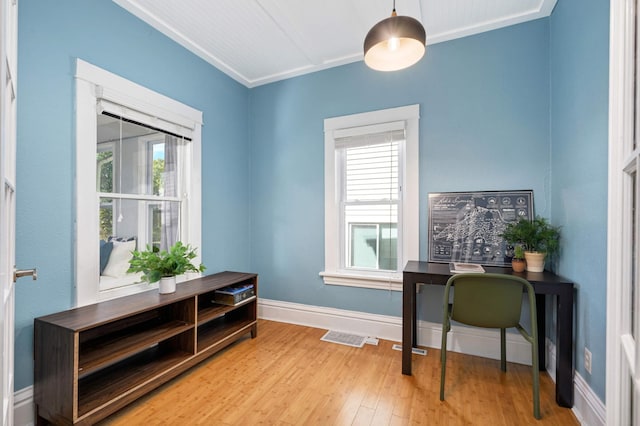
[260, 41]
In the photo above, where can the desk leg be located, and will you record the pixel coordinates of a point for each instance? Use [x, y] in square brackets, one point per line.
[541, 314]
[408, 323]
[564, 348]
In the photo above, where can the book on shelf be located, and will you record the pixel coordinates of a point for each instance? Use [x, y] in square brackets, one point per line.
[235, 289]
[465, 268]
[232, 295]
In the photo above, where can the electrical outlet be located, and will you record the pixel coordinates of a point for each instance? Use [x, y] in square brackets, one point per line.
[587, 360]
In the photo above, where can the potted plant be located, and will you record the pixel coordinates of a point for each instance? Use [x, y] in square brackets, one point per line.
[163, 265]
[539, 238]
[517, 261]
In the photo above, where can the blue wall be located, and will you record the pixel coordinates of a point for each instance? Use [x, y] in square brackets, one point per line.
[524, 107]
[51, 36]
[579, 109]
[484, 126]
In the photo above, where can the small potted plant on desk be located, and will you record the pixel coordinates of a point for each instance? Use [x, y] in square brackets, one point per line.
[163, 265]
[539, 238]
[517, 261]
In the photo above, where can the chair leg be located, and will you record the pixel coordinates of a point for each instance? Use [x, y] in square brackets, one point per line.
[443, 361]
[503, 349]
[536, 379]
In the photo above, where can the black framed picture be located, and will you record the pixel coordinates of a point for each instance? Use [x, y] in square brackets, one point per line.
[466, 226]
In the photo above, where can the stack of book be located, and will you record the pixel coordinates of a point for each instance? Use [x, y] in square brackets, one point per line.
[232, 295]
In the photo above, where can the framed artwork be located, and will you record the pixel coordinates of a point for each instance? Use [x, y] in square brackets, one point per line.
[466, 226]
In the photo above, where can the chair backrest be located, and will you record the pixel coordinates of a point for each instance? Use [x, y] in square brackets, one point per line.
[487, 300]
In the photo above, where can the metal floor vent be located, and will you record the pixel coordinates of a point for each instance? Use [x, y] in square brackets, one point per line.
[344, 338]
[418, 351]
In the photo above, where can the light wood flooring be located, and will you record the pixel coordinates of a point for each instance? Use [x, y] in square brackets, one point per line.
[287, 376]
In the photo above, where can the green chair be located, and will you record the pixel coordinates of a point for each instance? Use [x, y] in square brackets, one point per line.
[491, 301]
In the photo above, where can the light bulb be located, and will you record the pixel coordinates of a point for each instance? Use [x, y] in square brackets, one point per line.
[393, 43]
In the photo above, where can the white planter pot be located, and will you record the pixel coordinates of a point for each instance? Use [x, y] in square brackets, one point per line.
[167, 285]
[535, 261]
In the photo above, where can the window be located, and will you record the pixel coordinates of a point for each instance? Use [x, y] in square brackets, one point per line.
[371, 197]
[137, 183]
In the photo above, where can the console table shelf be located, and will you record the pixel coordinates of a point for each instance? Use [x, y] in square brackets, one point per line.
[93, 360]
[216, 311]
[213, 333]
[117, 382]
[113, 348]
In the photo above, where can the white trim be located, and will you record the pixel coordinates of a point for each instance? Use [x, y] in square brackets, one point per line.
[381, 326]
[92, 83]
[587, 407]
[23, 407]
[621, 57]
[118, 90]
[540, 10]
[372, 118]
[410, 115]
[392, 282]
[472, 341]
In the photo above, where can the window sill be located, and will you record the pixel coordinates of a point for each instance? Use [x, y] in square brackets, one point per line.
[378, 282]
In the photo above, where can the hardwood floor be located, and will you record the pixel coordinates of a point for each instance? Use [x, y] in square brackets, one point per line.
[287, 376]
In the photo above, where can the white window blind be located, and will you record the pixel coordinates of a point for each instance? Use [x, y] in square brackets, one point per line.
[371, 171]
[170, 123]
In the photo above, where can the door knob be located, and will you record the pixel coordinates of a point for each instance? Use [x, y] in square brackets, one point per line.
[19, 273]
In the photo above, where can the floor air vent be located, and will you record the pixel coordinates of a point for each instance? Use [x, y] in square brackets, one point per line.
[344, 338]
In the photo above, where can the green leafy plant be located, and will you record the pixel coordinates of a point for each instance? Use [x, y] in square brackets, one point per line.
[155, 263]
[536, 235]
[518, 252]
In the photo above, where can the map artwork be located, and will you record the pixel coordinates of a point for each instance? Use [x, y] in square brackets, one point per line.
[466, 226]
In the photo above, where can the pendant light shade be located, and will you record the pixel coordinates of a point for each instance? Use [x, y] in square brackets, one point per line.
[394, 43]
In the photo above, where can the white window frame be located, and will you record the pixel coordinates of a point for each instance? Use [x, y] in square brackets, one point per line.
[335, 127]
[94, 84]
[145, 179]
[105, 147]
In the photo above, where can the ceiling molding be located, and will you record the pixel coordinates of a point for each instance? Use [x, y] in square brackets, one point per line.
[543, 10]
[166, 29]
[257, 42]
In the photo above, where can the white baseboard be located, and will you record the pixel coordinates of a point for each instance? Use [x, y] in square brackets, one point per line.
[480, 342]
[23, 409]
[588, 408]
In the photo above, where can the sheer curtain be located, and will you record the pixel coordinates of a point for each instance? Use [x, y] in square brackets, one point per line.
[170, 209]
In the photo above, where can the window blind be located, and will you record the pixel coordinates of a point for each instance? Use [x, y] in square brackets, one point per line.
[167, 123]
[370, 166]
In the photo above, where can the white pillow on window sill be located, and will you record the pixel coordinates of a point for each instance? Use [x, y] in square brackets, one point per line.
[118, 263]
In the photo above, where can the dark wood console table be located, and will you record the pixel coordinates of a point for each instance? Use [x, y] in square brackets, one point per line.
[544, 283]
[93, 360]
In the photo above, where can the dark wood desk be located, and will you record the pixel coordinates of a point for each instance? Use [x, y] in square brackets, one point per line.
[543, 282]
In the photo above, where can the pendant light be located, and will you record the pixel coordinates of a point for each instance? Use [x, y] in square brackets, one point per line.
[394, 43]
